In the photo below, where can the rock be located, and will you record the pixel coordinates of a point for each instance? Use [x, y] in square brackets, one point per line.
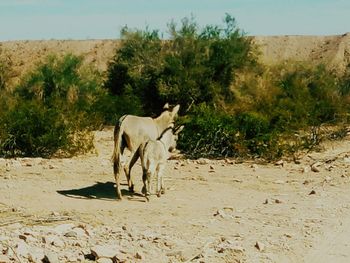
[169, 244]
[80, 232]
[120, 258]
[139, 255]
[228, 161]
[70, 256]
[254, 166]
[220, 213]
[105, 251]
[328, 179]
[72, 234]
[26, 162]
[260, 246]
[313, 192]
[50, 257]
[329, 167]
[266, 201]
[237, 180]
[36, 255]
[22, 249]
[53, 240]
[306, 169]
[23, 237]
[86, 229]
[202, 161]
[278, 201]
[316, 167]
[279, 163]
[297, 161]
[306, 182]
[54, 213]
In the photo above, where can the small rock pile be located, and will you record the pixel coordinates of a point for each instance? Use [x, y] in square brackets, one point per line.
[78, 242]
[70, 242]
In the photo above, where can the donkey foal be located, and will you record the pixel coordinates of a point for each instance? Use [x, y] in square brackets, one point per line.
[154, 157]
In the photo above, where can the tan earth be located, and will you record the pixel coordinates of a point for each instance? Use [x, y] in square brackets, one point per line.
[212, 211]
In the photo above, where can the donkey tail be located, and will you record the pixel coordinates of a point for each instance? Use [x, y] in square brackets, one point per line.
[118, 133]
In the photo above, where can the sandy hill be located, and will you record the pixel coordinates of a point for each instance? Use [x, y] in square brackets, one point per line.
[334, 51]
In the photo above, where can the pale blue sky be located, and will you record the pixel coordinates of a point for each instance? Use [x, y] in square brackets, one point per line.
[100, 19]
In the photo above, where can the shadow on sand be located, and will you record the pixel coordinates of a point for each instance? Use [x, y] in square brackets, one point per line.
[101, 191]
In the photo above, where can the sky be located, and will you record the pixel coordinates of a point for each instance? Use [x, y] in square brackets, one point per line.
[103, 19]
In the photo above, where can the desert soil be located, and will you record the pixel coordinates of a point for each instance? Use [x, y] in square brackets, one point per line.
[64, 210]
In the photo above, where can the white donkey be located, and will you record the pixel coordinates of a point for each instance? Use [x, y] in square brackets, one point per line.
[132, 132]
[154, 157]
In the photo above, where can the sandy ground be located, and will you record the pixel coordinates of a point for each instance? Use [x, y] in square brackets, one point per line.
[212, 211]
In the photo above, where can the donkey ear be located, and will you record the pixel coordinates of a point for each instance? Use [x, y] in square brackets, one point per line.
[166, 106]
[179, 129]
[176, 109]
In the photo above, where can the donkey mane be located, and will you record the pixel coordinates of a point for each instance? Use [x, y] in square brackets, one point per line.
[164, 132]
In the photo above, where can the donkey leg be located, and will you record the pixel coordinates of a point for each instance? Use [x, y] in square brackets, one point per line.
[117, 172]
[144, 180]
[133, 160]
[148, 185]
[162, 188]
[160, 170]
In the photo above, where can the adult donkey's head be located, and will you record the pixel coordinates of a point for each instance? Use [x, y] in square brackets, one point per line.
[167, 117]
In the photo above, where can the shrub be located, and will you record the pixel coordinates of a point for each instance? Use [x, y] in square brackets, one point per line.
[49, 110]
[208, 133]
[194, 66]
[31, 129]
[4, 72]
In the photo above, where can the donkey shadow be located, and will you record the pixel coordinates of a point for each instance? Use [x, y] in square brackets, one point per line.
[101, 191]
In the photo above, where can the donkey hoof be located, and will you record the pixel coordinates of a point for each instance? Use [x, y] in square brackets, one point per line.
[159, 194]
[162, 191]
[131, 189]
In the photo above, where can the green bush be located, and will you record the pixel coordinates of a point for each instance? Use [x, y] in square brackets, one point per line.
[48, 113]
[31, 129]
[194, 66]
[4, 72]
[309, 97]
[208, 133]
[215, 134]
